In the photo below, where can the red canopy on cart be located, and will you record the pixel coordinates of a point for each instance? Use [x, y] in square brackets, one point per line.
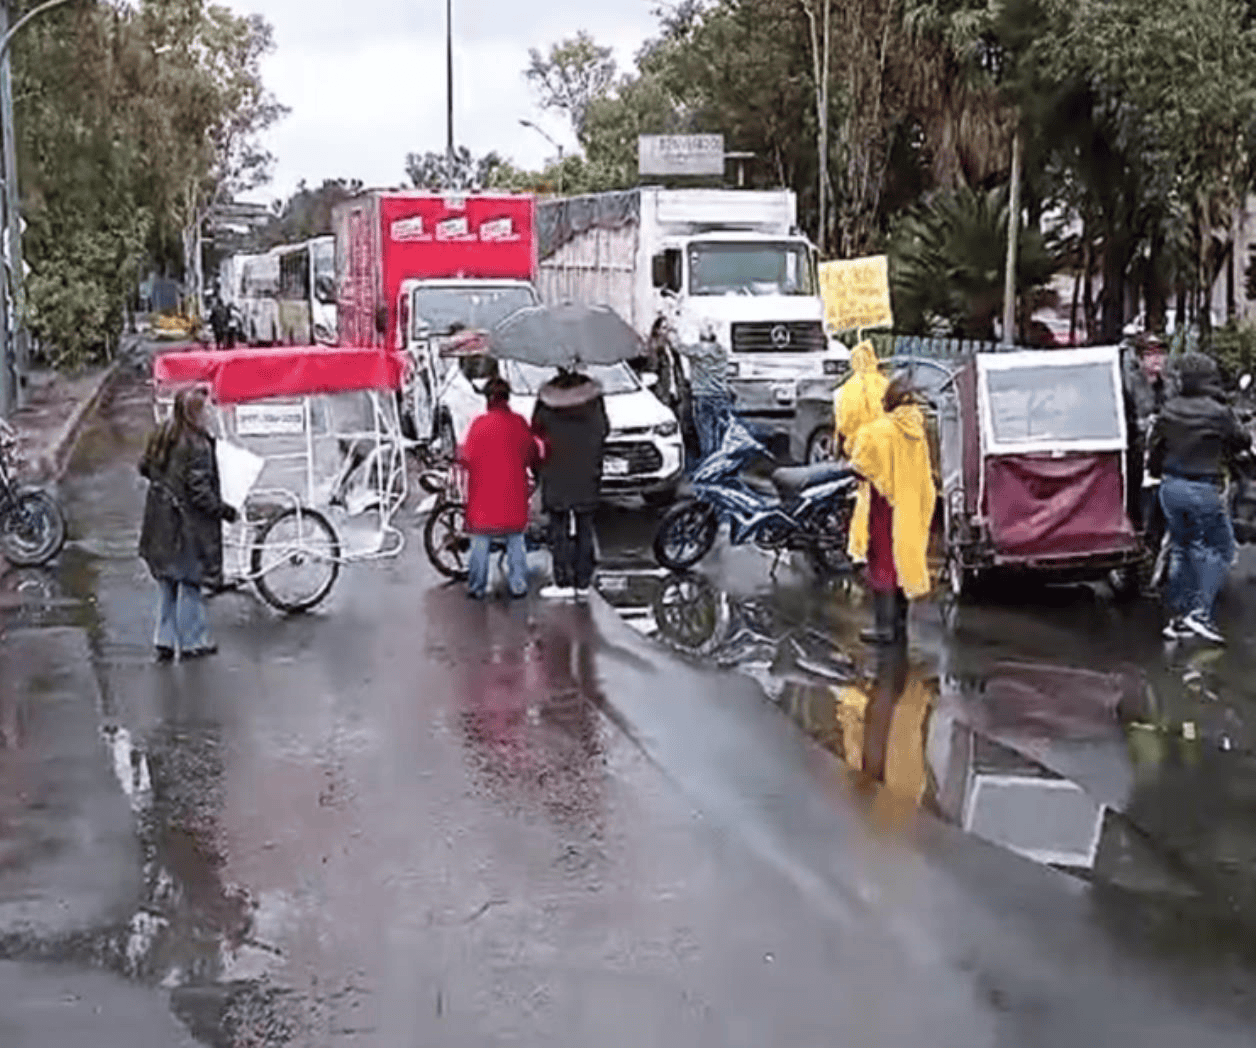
[237, 375]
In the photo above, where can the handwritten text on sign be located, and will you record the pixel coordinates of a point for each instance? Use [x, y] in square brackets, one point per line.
[856, 293]
[268, 420]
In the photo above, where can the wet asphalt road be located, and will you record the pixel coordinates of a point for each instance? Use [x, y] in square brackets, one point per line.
[696, 813]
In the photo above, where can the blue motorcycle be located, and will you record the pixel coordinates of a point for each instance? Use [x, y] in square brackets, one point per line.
[810, 511]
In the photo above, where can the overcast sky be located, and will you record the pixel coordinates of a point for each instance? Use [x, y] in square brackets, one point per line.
[365, 79]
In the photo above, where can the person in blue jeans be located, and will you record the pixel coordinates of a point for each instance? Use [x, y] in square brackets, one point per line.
[710, 388]
[498, 454]
[1192, 441]
[181, 537]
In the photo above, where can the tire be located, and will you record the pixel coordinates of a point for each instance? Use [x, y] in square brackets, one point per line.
[1132, 581]
[33, 529]
[961, 582]
[658, 499]
[685, 535]
[290, 541]
[820, 446]
[831, 560]
[446, 542]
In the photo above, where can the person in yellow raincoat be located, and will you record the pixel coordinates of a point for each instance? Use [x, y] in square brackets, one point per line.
[892, 454]
[856, 403]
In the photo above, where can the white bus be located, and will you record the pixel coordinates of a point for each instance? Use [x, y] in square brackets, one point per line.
[307, 292]
[259, 294]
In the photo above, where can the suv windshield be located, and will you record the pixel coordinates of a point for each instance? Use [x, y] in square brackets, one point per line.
[441, 308]
[750, 269]
[526, 380]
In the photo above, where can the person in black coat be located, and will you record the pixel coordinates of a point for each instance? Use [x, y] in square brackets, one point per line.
[570, 421]
[181, 538]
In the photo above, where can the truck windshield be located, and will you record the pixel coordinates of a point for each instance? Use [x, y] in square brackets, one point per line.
[324, 256]
[439, 309]
[750, 269]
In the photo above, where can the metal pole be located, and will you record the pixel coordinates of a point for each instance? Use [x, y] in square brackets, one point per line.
[449, 84]
[1013, 234]
[9, 383]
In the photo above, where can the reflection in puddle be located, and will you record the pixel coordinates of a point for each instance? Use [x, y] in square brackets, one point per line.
[1061, 765]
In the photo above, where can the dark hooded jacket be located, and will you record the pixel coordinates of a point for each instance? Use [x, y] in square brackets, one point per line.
[570, 421]
[181, 538]
[1195, 433]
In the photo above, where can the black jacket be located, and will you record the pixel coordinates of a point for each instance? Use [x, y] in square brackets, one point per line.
[181, 538]
[572, 422]
[1194, 435]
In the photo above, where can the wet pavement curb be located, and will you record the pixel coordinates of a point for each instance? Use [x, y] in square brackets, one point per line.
[54, 460]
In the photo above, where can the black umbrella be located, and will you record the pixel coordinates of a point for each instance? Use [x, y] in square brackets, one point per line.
[565, 336]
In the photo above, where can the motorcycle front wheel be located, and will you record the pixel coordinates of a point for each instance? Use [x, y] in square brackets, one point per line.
[446, 541]
[33, 529]
[685, 535]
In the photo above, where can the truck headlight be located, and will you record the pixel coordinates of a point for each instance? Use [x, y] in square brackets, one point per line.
[667, 429]
[734, 369]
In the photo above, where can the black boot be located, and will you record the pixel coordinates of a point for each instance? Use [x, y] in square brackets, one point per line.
[901, 607]
[883, 611]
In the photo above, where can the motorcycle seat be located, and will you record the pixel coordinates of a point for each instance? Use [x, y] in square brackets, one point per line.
[790, 480]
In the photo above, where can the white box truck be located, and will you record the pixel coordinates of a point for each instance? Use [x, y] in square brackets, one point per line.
[673, 260]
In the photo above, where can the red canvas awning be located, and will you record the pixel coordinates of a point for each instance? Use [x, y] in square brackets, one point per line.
[237, 375]
[1040, 507]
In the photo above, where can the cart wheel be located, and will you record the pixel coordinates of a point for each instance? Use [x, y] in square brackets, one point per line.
[960, 581]
[1132, 581]
[446, 540]
[296, 559]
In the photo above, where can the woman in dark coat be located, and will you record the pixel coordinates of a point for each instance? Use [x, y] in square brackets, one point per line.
[181, 539]
[570, 421]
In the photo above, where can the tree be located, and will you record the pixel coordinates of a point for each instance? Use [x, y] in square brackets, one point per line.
[131, 120]
[947, 260]
[576, 73]
[433, 170]
[307, 213]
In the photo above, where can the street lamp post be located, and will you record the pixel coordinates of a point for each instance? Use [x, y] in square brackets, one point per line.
[13, 345]
[545, 134]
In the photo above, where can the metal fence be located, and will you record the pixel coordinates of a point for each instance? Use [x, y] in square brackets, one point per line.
[891, 345]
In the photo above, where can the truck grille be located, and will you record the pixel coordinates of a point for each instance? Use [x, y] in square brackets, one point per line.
[642, 456]
[793, 336]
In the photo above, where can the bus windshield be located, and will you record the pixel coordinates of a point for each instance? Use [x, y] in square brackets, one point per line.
[323, 253]
[442, 309]
[750, 268]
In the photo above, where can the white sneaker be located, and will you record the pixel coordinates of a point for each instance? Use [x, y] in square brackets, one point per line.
[1199, 624]
[557, 593]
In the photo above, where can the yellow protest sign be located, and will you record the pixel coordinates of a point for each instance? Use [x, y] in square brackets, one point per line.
[856, 293]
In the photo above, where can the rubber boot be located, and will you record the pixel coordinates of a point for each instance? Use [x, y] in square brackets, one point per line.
[901, 607]
[883, 610]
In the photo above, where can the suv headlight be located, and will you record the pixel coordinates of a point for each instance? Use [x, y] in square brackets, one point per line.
[832, 367]
[667, 429]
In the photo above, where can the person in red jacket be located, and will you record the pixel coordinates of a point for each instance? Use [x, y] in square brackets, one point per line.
[497, 454]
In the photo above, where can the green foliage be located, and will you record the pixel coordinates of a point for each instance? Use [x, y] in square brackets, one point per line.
[132, 119]
[307, 213]
[947, 262]
[576, 72]
[1234, 349]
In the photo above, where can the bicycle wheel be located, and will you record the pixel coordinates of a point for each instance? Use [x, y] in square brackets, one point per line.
[33, 530]
[296, 559]
[446, 540]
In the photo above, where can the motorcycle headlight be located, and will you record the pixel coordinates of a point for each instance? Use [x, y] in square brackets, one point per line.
[667, 429]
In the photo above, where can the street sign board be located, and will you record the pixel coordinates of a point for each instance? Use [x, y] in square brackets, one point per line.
[680, 154]
[856, 293]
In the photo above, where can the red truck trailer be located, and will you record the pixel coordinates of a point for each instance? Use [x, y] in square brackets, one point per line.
[385, 238]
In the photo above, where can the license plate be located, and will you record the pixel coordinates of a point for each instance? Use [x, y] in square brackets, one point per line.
[615, 467]
[784, 392]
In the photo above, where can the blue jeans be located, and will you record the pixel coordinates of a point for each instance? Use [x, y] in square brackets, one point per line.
[1202, 541]
[181, 621]
[710, 417]
[516, 564]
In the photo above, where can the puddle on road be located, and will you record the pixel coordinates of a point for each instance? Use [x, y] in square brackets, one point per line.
[1065, 766]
